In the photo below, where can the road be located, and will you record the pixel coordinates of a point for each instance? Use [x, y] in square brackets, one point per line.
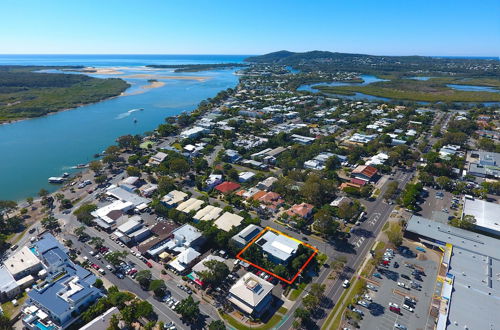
[362, 240]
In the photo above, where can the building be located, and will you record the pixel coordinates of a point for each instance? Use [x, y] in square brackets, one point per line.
[193, 132]
[484, 164]
[132, 231]
[486, 214]
[378, 159]
[157, 158]
[340, 201]
[245, 176]
[246, 235]
[140, 203]
[106, 216]
[65, 293]
[23, 263]
[227, 187]
[173, 198]
[227, 221]
[102, 321]
[267, 183]
[232, 156]
[470, 267]
[359, 138]
[304, 140]
[207, 213]
[303, 210]
[213, 180]
[251, 295]
[9, 288]
[192, 204]
[278, 248]
[200, 267]
[318, 162]
[364, 172]
[185, 237]
[183, 262]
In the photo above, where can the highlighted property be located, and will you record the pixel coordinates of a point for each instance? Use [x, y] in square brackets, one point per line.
[279, 249]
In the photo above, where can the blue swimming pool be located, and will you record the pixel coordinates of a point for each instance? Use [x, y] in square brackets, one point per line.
[42, 326]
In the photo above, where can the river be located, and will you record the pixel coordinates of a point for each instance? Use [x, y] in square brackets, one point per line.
[33, 150]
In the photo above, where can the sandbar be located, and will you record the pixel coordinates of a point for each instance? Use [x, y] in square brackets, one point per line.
[152, 76]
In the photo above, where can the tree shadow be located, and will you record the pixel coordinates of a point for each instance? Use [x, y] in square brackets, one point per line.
[376, 309]
[362, 232]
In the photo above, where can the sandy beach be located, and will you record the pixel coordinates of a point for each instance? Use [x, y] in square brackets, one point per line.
[93, 70]
[150, 76]
[154, 84]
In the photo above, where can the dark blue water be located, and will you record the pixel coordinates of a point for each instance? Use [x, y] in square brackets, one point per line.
[474, 88]
[33, 150]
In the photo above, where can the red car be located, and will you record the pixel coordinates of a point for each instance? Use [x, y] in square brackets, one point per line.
[132, 271]
[149, 264]
[395, 309]
[95, 266]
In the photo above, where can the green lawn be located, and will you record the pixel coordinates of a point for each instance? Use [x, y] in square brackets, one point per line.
[237, 325]
[296, 292]
[282, 310]
[10, 310]
[145, 144]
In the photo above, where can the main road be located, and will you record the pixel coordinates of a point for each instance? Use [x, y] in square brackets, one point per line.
[362, 239]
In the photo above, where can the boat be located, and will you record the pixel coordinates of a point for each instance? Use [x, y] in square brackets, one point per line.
[135, 120]
[81, 166]
[56, 179]
[65, 175]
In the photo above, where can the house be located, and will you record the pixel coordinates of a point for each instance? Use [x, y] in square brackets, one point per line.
[193, 132]
[358, 138]
[132, 231]
[9, 288]
[227, 221]
[106, 216]
[185, 237]
[251, 295]
[119, 193]
[227, 187]
[157, 158]
[340, 201]
[183, 262]
[245, 176]
[23, 263]
[207, 213]
[192, 204]
[246, 235]
[303, 210]
[232, 156]
[148, 189]
[173, 198]
[378, 159]
[278, 248]
[364, 172]
[304, 140]
[267, 183]
[213, 180]
[102, 321]
[318, 162]
[271, 200]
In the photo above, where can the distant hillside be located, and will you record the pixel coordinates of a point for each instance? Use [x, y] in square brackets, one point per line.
[391, 66]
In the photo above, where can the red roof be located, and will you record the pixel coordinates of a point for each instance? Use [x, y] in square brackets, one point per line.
[358, 181]
[302, 210]
[227, 187]
[366, 170]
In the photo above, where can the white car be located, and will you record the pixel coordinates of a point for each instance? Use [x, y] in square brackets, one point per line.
[401, 284]
[85, 258]
[408, 308]
[399, 326]
[91, 253]
[346, 284]
[364, 303]
[371, 287]
[367, 297]
[391, 304]
[109, 267]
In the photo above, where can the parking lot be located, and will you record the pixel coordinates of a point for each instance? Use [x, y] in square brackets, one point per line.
[410, 283]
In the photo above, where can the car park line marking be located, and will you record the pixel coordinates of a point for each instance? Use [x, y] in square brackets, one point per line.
[401, 293]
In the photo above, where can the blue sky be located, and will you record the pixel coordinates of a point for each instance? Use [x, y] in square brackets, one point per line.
[408, 27]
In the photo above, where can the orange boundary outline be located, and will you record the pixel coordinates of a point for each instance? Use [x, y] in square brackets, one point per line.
[315, 251]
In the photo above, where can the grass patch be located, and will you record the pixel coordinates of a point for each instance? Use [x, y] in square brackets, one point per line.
[237, 325]
[145, 145]
[10, 310]
[296, 292]
[385, 227]
[282, 310]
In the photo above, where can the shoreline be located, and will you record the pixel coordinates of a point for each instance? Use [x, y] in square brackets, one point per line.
[151, 76]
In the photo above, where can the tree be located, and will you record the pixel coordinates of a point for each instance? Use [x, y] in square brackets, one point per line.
[158, 287]
[96, 166]
[179, 166]
[302, 314]
[43, 193]
[79, 231]
[133, 171]
[29, 200]
[98, 283]
[97, 242]
[7, 207]
[324, 223]
[217, 325]
[83, 213]
[143, 309]
[144, 278]
[189, 309]
[5, 323]
[114, 322]
[310, 302]
[317, 290]
[115, 257]
[444, 182]
[50, 223]
[215, 273]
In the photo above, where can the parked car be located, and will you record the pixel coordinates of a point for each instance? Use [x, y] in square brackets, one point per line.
[396, 310]
[399, 326]
[410, 300]
[149, 264]
[403, 285]
[345, 284]
[377, 275]
[371, 287]
[408, 308]
[364, 303]
[406, 277]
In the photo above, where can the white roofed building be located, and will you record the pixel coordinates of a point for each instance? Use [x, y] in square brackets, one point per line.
[251, 295]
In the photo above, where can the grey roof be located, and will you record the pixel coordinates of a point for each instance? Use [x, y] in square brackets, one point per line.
[278, 246]
[487, 214]
[247, 234]
[127, 196]
[475, 265]
[7, 282]
[457, 237]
